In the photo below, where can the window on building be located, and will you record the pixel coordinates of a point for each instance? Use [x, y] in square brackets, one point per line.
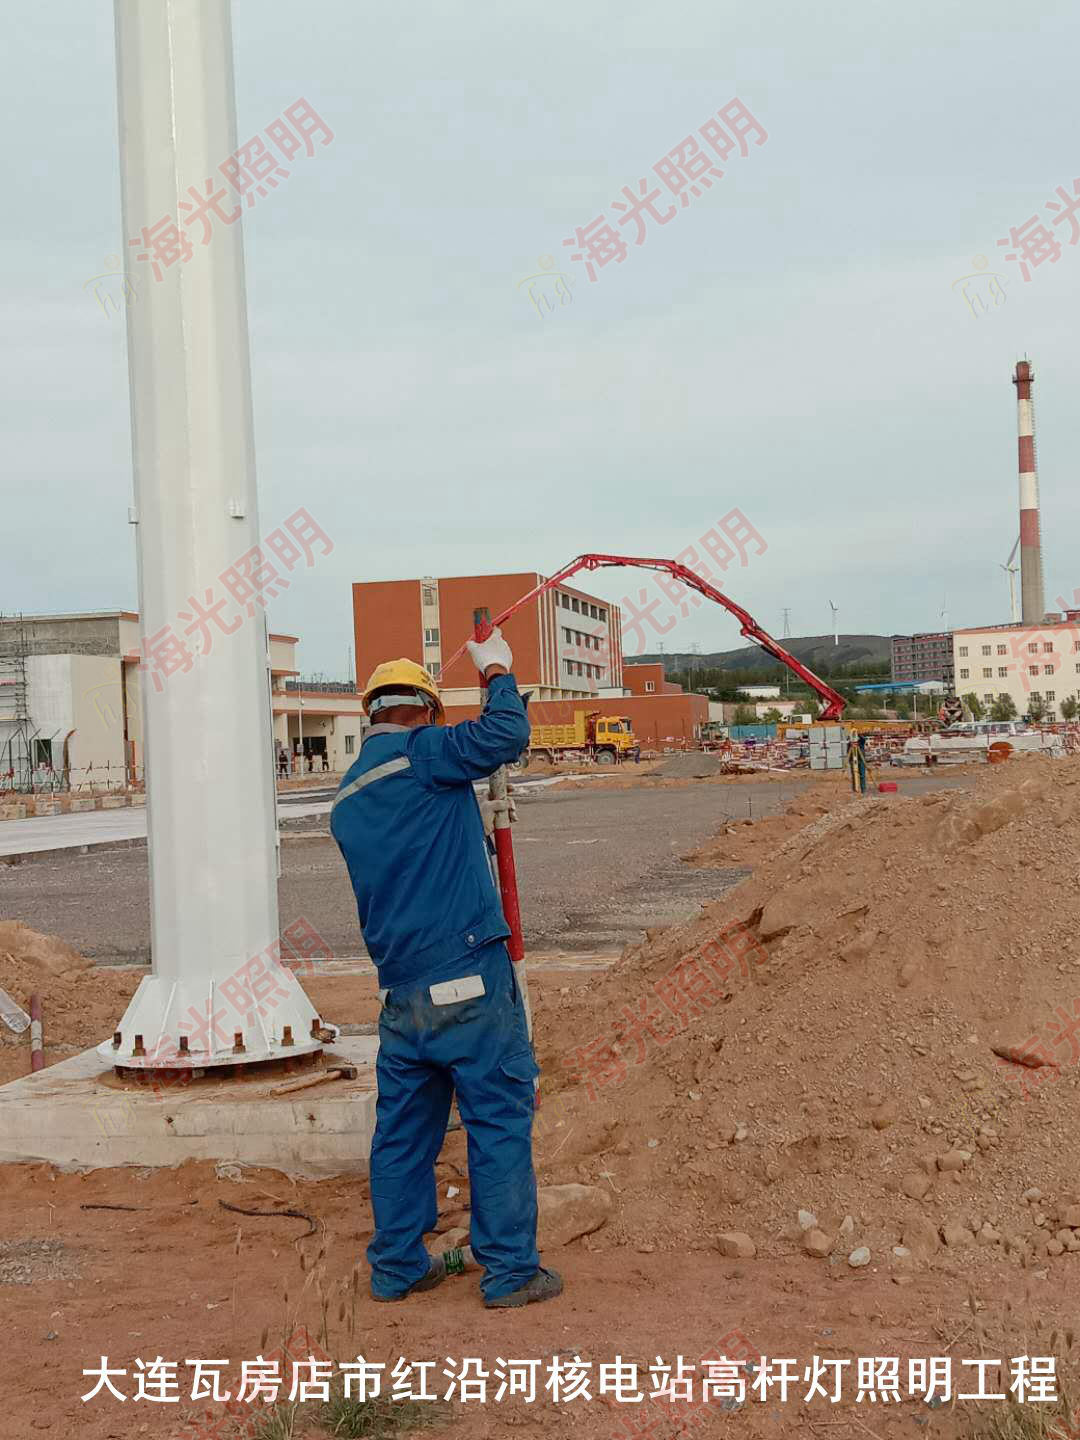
[1033, 669]
[431, 637]
[430, 595]
[603, 616]
[964, 674]
[593, 612]
[1051, 694]
[436, 669]
[1048, 669]
[1048, 647]
[350, 744]
[1003, 671]
[1035, 695]
[988, 698]
[1002, 649]
[962, 650]
[986, 649]
[650, 686]
[42, 753]
[575, 605]
[1033, 649]
[988, 672]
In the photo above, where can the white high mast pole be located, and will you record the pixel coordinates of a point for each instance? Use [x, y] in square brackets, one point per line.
[209, 771]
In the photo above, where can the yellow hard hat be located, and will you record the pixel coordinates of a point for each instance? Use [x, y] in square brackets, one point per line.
[403, 673]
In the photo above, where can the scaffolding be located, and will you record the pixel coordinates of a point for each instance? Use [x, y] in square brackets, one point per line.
[17, 730]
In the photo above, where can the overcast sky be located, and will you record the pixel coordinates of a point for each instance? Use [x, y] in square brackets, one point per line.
[788, 344]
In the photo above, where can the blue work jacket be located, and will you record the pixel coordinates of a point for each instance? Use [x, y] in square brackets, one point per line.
[407, 821]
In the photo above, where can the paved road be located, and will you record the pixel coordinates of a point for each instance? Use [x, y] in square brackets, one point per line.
[595, 867]
[107, 827]
[64, 832]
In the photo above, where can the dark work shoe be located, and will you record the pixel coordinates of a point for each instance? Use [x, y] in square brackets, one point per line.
[544, 1285]
[435, 1276]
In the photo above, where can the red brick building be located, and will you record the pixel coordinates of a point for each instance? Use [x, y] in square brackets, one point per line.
[648, 679]
[567, 651]
[567, 644]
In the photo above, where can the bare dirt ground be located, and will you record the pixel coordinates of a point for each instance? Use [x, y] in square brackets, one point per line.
[182, 1278]
[834, 1072]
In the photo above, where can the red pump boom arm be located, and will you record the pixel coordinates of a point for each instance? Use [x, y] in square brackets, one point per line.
[834, 702]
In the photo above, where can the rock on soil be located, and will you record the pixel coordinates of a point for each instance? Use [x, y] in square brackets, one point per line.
[736, 1245]
[817, 1243]
[569, 1211]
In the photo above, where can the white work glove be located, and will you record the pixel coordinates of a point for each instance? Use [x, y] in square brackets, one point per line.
[492, 651]
[490, 808]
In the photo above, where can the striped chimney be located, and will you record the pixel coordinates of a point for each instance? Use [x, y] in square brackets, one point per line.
[1033, 604]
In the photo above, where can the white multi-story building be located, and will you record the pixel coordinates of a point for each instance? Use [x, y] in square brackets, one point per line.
[1022, 661]
[71, 710]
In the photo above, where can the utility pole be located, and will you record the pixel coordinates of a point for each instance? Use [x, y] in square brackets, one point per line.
[695, 650]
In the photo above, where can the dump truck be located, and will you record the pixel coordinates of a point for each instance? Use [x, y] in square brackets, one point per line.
[603, 738]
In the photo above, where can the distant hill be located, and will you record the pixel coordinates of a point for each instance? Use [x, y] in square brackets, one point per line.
[815, 651]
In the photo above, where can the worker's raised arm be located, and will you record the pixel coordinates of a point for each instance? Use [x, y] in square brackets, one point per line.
[475, 748]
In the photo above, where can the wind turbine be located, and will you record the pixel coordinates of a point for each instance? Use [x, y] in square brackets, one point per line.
[836, 632]
[1012, 570]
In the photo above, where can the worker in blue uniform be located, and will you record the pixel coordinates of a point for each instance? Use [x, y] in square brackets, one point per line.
[453, 1020]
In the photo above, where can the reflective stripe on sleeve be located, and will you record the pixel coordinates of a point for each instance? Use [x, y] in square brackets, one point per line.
[377, 772]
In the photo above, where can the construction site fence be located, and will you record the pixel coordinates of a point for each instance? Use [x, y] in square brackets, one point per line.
[88, 780]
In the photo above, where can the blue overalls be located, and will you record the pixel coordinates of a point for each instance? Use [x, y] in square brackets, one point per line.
[407, 822]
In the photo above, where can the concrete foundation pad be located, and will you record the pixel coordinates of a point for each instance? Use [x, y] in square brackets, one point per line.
[80, 1115]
